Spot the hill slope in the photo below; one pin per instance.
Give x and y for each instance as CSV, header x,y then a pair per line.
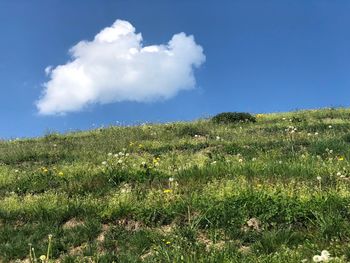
x,y
182,192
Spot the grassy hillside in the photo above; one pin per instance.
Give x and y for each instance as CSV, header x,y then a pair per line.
x,y
182,192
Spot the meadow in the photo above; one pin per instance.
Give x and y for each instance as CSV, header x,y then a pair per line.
x,y
276,190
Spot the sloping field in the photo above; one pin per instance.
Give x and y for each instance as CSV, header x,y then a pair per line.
x,y
276,190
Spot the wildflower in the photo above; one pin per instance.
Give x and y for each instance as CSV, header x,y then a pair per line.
x,y
171,179
280,162
126,154
254,159
42,258
16,171
330,126
60,173
317,258
140,145
240,160
131,144
218,138
109,154
283,118
167,191
120,161
104,163
308,134
325,254
120,153
316,133
341,158
45,170
167,242
319,178
324,257
143,163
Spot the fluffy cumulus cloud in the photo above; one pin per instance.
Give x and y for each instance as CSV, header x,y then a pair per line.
x,y
115,67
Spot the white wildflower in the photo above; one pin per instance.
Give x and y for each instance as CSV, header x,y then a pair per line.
x,y
325,255
317,258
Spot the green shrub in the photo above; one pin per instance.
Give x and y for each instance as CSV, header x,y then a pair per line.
x,y
233,117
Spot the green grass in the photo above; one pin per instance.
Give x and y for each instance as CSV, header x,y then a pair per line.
x,y
182,192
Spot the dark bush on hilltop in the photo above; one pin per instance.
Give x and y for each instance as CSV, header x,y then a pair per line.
x,y
233,117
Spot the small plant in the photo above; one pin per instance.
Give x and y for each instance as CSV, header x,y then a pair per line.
x,y
233,117
42,258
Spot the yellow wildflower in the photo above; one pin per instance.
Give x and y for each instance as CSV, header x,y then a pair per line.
x,y
167,191
60,173
341,158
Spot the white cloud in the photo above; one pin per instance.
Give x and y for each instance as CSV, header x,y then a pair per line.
x,y
115,67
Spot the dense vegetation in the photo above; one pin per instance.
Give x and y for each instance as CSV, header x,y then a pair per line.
x,y
276,190
233,117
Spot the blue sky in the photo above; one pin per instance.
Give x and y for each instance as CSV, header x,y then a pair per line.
x,y
261,56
